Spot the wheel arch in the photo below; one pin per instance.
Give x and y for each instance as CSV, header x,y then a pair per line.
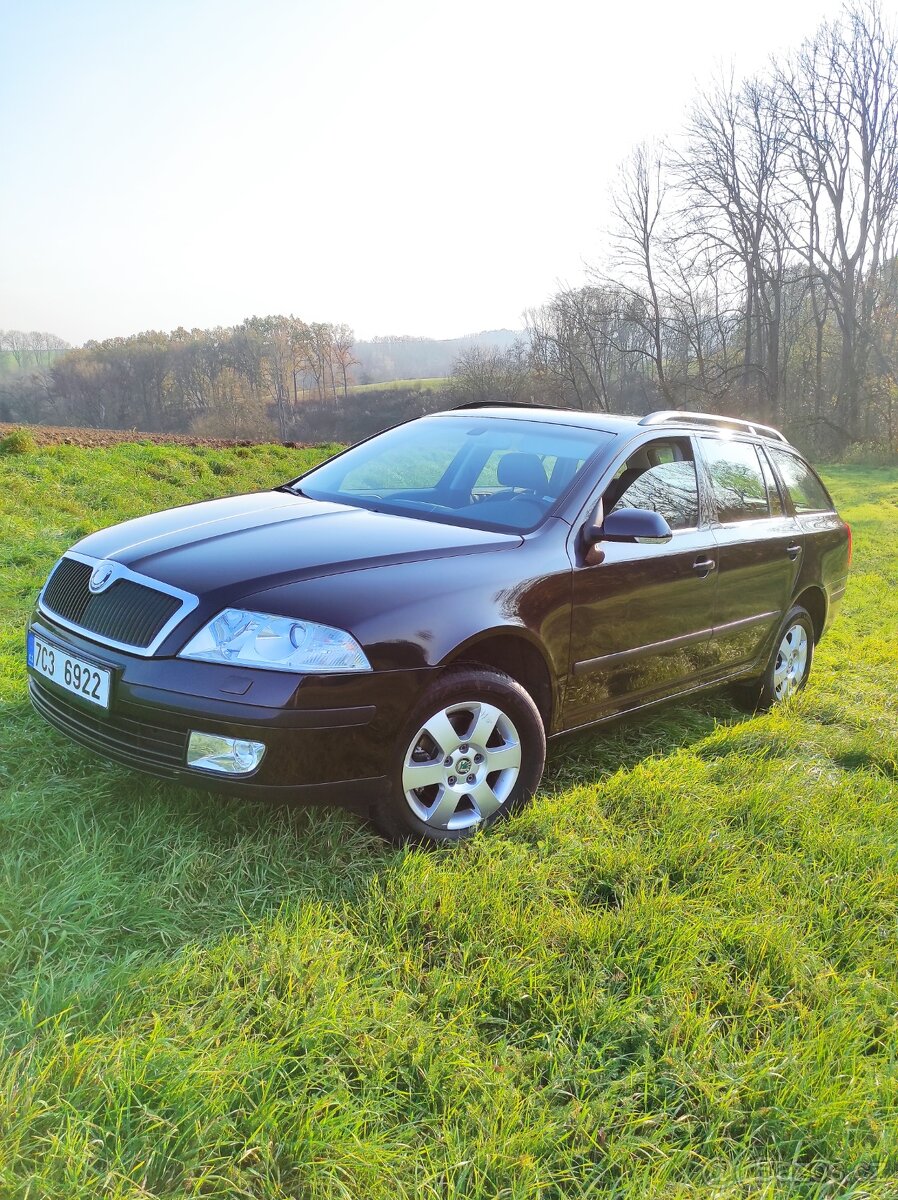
x,y
518,655
814,600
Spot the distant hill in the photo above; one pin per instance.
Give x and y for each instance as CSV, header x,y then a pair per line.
x,y
387,358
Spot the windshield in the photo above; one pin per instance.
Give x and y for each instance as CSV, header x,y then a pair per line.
x,y
484,472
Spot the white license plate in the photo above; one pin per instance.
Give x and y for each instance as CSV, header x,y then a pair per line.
x,y
74,674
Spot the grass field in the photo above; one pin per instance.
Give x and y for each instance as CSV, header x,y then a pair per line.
x,y
435,384
675,975
8,362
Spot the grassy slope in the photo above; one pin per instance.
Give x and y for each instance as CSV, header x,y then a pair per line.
x,y
675,976
436,383
8,362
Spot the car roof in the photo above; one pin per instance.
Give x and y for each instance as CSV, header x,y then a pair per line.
x,y
662,422
606,422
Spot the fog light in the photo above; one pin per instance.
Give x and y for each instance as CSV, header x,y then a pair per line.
x,y
230,756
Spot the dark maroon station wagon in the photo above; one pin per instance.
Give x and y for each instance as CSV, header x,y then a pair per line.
x,y
404,626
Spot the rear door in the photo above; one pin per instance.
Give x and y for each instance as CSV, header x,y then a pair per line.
x,y
824,535
759,548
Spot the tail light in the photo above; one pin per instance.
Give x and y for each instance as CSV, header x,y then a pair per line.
x,y
848,527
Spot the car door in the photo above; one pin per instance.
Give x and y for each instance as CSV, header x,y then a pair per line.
x,y
758,548
642,614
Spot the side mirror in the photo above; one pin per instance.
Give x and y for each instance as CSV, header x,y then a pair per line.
x,y
635,525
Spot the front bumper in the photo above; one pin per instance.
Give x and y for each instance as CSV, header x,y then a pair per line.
x,y
328,738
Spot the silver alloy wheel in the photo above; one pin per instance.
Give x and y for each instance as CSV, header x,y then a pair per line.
x,y
791,662
461,765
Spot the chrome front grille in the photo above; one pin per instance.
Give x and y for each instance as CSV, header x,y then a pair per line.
x,y
132,613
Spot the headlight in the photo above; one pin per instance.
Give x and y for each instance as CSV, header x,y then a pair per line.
x,y
251,639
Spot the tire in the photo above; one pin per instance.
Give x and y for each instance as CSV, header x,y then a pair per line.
x,y
469,721
789,665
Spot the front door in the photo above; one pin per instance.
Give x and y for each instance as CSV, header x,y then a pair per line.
x,y
642,617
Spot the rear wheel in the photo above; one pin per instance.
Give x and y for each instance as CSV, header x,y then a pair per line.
x,y
472,751
789,665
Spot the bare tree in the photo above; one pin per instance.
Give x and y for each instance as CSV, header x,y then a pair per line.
x,y
839,99
733,210
344,356
487,373
19,345
570,347
638,248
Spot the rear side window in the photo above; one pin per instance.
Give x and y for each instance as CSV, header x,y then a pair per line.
x,y
737,482
805,490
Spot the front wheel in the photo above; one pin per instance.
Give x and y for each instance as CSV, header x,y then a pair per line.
x,y
472,751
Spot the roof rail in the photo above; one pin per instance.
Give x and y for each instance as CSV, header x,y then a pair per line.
x,y
675,417
503,404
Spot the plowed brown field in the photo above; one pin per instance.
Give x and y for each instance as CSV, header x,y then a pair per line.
x,y
54,435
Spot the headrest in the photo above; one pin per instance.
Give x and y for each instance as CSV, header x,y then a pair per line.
x,y
523,471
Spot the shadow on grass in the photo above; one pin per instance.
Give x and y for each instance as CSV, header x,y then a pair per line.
x,y
865,760
622,743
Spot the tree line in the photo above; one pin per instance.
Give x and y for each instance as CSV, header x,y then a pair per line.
x,y
34,350
246,380
750,268
751,264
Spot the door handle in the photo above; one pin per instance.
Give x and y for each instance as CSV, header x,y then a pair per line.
x,y
793,551
704,566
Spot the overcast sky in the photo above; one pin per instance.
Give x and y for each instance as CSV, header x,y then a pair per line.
x,y
406,166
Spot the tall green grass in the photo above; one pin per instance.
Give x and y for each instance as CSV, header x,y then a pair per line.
x,y
674,976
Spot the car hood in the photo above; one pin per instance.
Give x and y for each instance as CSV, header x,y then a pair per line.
x,y
263,539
